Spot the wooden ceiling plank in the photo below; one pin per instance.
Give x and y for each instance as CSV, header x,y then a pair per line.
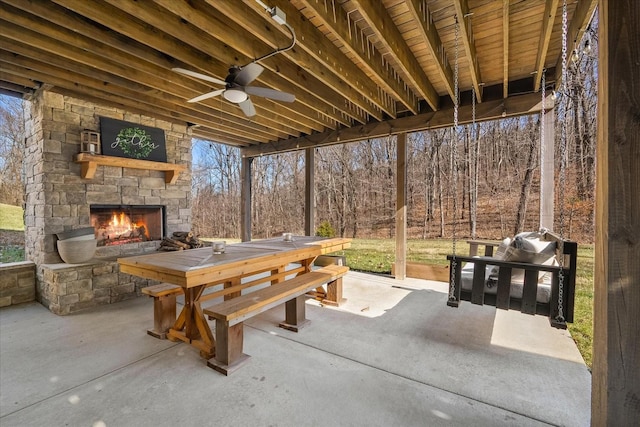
x,y
464,17
315,52
346,32
240,37
65,79
213,136
419,10
505,48
232,44
488,110
94,65
122,23
550,12
107,97
385,29
88,44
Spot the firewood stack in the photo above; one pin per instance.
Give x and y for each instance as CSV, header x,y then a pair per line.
x,y
179,241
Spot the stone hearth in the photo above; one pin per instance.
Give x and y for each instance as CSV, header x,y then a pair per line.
x,y
59,199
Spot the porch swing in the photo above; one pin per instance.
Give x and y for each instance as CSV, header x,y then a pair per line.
x,y
535,272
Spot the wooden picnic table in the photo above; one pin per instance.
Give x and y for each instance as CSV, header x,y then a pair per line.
x,y
196,269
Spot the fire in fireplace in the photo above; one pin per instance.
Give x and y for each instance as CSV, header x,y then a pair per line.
x,y
121,224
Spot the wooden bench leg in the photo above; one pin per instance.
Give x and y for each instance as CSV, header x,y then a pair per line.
x,y
334,293
229,355
295,314
164,315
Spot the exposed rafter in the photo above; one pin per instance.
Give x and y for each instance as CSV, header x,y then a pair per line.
x,y
550,12
357,64
420,12
466,35
347,32
389,35
358,89
505,48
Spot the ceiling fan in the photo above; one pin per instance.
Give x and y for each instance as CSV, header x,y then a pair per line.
x,y
237,89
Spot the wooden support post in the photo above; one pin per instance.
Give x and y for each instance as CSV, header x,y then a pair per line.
x,y
309,192
547,171
245,200
615,397
401,207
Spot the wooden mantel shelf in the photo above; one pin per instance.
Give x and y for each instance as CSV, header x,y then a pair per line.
x,y
90,163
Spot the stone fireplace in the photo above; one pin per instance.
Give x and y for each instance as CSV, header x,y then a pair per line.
x,y
59,199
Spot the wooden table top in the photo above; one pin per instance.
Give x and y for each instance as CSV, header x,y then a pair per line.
x,y
196,267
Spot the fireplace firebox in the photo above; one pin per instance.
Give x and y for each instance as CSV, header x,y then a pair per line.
x,y
122,224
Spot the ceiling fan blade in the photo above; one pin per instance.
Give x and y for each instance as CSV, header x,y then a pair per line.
x,y
247,108
199,76
270,93
207,95
249,73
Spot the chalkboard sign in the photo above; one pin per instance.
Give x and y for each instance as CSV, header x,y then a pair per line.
x,y
124,139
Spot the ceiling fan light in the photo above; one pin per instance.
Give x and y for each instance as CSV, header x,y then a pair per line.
x,y
235,95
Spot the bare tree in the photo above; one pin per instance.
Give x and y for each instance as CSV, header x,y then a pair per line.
x,y
12,147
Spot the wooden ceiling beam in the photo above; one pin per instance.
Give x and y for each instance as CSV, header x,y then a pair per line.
x,y
315,52
466,34
231,44
137,31
419,10
336,20
388,34
505,48
550,12
488,110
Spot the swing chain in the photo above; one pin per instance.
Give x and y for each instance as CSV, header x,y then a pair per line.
x,y
454,262
563,166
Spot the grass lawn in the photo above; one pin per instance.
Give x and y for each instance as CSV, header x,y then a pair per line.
x,y
377,255
11,217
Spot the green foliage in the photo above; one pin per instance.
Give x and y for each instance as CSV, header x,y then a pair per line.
x,y
11,254
135,142
325,230
11,217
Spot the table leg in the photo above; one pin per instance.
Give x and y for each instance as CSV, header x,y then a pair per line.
x,y
334,293
191,325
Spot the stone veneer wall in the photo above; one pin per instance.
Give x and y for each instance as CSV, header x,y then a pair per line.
x,y
58,199
17,283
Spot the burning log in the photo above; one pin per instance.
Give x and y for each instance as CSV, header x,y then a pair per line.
x,y
180,240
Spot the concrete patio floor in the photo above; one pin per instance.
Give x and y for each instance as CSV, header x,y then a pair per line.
x,y
393,355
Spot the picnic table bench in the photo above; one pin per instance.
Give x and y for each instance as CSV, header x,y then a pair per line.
x,y
231,314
